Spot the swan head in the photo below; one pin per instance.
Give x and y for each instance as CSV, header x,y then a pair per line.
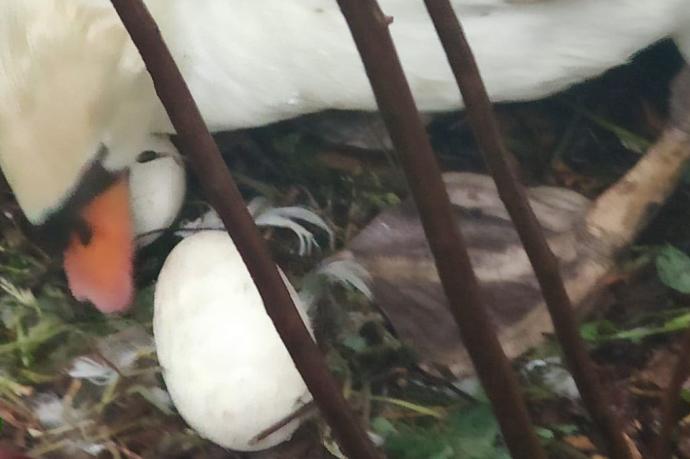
x,y
75,105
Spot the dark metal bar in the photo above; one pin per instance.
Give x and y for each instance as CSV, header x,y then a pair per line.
x,y
223,194
671,400
545,264
369,28
679,124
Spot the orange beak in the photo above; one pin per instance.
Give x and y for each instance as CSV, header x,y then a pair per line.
x,y
99,265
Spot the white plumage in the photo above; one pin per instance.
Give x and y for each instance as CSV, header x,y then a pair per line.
x,y
69,72
279,59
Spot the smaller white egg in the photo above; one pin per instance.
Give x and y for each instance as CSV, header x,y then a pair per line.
x,y
227,371
157,191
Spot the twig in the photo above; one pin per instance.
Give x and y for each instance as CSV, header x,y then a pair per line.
x,y
224,196
303,411
369,28
545,264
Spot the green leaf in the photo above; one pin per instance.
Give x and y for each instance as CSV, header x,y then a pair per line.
x,y
678,323
544,433
589,331
599,330
673,267
628,139
566,429
685,395
355,343
447,453
477,429
382,426
471,433
605,331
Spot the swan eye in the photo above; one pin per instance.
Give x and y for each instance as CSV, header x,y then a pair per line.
x,y
147,156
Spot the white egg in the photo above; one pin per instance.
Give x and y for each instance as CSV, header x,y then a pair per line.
x,y
224,364
157,190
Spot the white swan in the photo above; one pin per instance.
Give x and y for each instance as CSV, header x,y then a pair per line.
x,y
77,106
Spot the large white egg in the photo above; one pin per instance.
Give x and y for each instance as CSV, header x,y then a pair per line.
x,y
157,191
224,364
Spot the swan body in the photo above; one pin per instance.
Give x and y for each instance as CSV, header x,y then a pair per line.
x,y
77,105
524,51
224,364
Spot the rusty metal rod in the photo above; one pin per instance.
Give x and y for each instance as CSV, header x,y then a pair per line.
x,y
679,123
546,267
220,189
369,29
671,400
